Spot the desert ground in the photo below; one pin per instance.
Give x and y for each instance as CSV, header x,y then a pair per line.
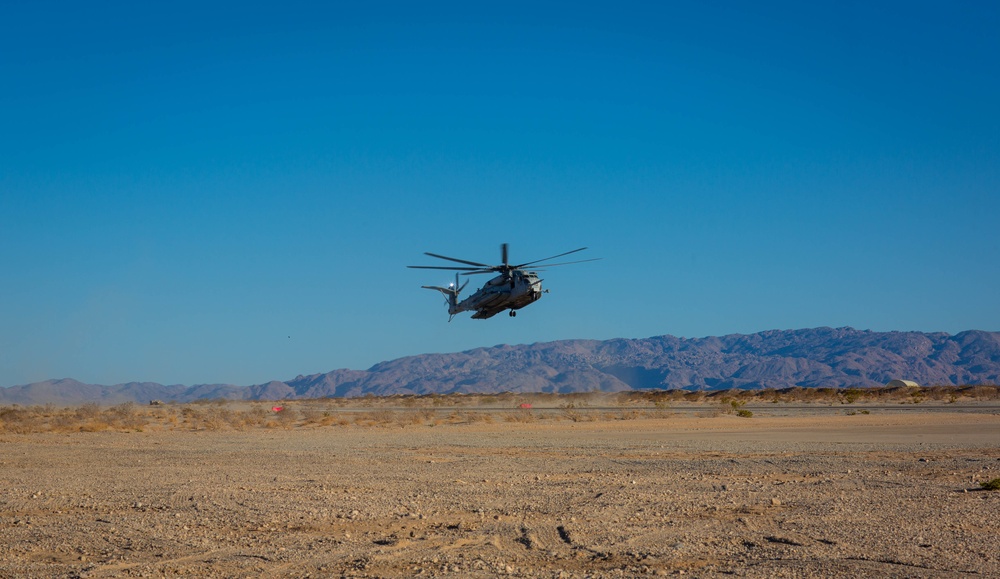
x,y
573,490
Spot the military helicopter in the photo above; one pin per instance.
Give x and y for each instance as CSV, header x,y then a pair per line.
x,y
513,289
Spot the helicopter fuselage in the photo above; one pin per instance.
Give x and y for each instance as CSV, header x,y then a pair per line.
x,y
503,292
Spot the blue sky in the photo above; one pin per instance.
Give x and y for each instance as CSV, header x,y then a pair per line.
x,y
230,192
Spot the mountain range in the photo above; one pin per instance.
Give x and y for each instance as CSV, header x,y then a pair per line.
x,y
817,357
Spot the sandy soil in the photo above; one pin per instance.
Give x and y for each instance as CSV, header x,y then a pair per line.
x,y
894,495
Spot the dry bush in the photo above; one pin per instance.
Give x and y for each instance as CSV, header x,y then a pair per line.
x,y
379,417
570,411
255,416
696,397
192,416
219,418
981,392
126,415
624,399
88,411
412,417
287,417
662,402
96,425
64,422
462,399
383,417
171,419
520,415
18,420
415,418
437,400
851,395
577,416
311,416
941,393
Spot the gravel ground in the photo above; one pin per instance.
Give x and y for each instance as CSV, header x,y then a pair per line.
x,y
882,494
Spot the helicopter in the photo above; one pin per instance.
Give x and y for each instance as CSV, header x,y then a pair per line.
x,y
513,289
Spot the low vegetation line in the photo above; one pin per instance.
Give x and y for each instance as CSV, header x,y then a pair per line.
x,y
444,409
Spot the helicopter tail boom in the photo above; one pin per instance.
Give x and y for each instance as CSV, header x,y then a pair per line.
x,y
451,292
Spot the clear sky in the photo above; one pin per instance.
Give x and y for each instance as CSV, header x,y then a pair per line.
x,y
200,192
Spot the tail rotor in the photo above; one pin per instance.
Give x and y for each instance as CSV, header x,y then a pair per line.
x,y
451,294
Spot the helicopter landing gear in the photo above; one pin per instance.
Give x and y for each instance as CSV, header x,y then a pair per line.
x,y
513,313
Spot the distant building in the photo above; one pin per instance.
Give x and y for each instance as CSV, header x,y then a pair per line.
x,y
902,384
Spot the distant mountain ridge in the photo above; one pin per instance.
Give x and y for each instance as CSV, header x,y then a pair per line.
x,y
817,357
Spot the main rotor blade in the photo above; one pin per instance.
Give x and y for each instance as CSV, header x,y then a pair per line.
x,y
548,258
442,267
503,254
458,260
567,263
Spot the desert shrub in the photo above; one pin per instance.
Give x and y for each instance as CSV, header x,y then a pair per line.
x,y
123,410
851,395
311,416
981,392
287,417
330,419
192,416
991,485
623,399
473,416
422,416
19,420
218,418
126,416
382,417
96,425
696,396
88,411
520,415
732,406
744,413
255,416
171,419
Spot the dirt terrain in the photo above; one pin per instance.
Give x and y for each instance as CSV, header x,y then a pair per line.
x,y
792,493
